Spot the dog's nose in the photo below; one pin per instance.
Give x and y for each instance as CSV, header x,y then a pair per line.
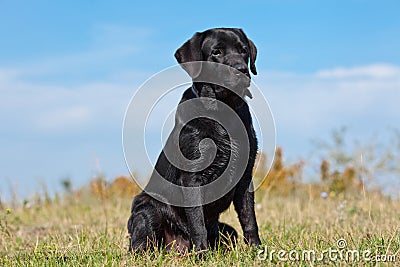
x,y
242,68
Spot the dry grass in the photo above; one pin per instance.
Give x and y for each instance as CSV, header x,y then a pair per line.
x,y
89,229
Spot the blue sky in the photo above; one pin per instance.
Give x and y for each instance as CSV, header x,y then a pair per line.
x,y
68,70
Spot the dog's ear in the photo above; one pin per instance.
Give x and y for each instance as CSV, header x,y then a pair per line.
x,y
252,53
253,56
190,52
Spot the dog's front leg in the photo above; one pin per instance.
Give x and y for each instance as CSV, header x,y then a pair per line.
x,y
244,206
195,219
197,228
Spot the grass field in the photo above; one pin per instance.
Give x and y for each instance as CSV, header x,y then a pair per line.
x,y
85,229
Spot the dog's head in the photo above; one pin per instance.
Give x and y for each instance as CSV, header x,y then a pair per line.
x,y
227,46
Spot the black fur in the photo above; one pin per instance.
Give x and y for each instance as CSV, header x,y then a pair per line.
x,y
154,223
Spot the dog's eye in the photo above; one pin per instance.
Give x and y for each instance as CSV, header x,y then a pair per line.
x,y
243,50
216,52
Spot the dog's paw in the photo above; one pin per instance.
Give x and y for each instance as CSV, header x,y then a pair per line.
x,y
252,239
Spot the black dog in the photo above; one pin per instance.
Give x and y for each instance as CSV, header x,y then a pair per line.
x,y
155,223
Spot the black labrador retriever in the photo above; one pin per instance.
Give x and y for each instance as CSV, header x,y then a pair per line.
x,y
154,223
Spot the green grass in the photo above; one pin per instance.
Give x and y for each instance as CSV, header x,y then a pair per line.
x,y
85,230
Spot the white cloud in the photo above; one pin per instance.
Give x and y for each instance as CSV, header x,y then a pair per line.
x,y
64,118
33,106
307,106
369,71
304,104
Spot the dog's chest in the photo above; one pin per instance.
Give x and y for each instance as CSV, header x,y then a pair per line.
x,y
224,148
226,156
